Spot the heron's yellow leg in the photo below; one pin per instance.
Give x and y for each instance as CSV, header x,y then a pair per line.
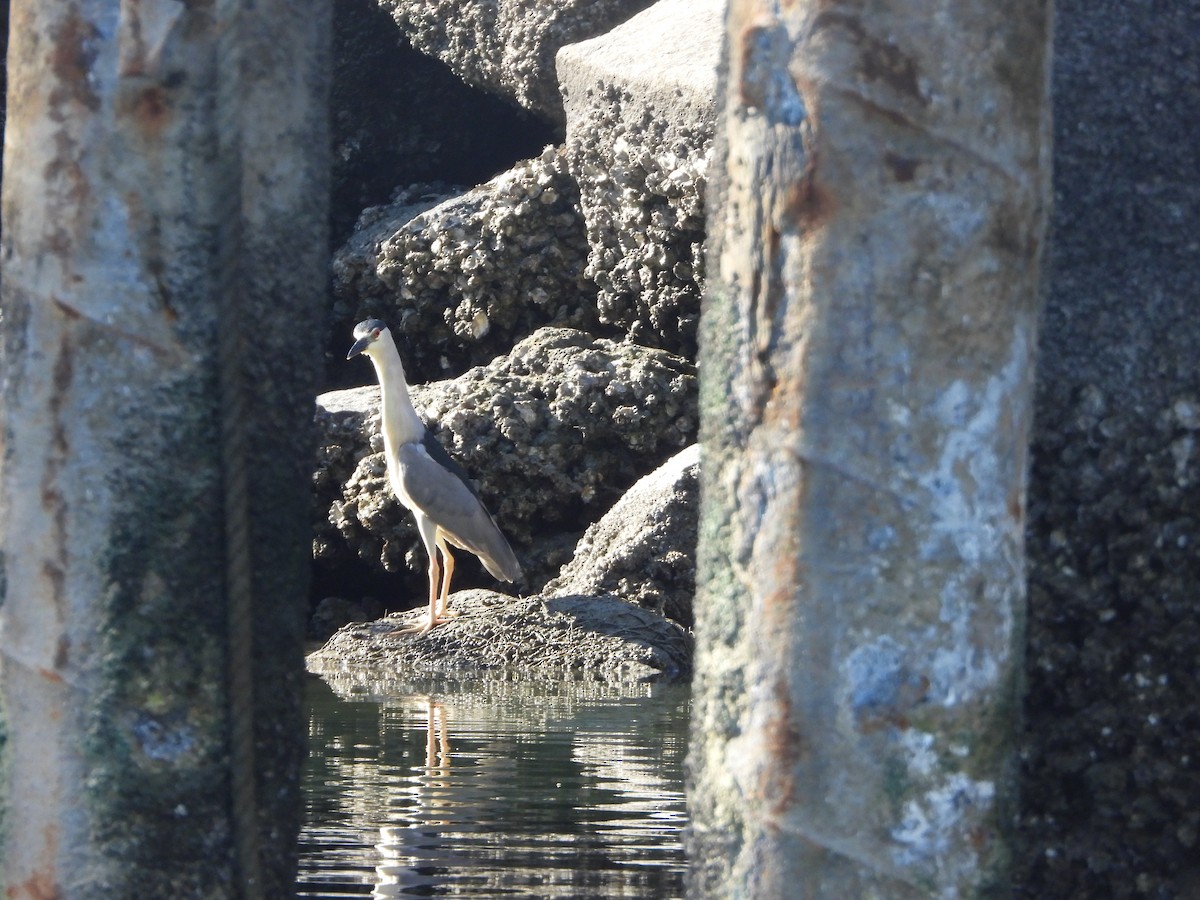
x,y
447,574
434,572
433,620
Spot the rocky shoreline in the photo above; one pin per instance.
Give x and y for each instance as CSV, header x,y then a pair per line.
x,y
552,313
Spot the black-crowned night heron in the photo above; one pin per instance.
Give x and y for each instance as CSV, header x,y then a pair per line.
x,y
428,482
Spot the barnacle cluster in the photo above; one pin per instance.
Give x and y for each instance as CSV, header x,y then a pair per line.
x,y
642,190
462,281
507,47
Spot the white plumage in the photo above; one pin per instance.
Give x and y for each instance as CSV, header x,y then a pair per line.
x,y
428,482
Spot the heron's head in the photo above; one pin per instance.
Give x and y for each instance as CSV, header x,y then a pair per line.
x,y
366,335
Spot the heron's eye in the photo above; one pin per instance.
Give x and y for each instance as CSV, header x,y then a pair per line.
x,y
375,334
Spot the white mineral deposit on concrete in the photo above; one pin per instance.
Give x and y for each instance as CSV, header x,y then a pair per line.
x,y
968,496
932,823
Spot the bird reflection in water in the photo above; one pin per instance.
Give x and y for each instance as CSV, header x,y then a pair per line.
x,y
437,742
566,791
414,855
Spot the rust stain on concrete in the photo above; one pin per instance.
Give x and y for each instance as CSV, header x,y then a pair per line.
x,y
785,747
42,884
808,204
38,886
57,452
879,60
72,59
149,109
50,674
752,89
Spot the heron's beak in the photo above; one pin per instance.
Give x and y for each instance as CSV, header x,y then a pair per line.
x,y
359,346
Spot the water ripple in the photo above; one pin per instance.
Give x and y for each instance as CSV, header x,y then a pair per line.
x,y
494,791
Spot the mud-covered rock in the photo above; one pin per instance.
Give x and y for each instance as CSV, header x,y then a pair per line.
x,y
461,279
507,47
552,435
643,550
641,116
531,638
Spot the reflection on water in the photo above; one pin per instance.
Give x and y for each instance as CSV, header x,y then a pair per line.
x,y
494,790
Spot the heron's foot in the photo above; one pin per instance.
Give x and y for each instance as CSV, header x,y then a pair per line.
x,y
424,626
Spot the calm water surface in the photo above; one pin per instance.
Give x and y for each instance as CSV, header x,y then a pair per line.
x,y
494,790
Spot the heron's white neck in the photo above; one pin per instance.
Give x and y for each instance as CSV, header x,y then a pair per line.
x,y
401,424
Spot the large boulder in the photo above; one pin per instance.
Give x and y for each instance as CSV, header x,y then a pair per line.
x,y
461,278
398,117
641,113
504,637
507,47
644,549
357,286
553,434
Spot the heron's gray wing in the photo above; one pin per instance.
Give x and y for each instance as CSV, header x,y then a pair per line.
x,y
447,499
435,449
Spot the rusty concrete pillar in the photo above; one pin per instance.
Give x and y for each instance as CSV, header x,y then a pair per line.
x,y
163,210
877,224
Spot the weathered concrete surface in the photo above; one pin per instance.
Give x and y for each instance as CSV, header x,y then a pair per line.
x,y
867,365
641,108
532,638
164,191
462,281
1111,775
553,434
644,549
507,47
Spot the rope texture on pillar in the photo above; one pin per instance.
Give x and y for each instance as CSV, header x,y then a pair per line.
x,y
231,279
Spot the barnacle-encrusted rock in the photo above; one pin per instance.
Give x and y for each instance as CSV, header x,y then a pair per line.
x,y
531,638
553,434
356,284
464,280
641,114
644,549
1113,629
399,117
507,47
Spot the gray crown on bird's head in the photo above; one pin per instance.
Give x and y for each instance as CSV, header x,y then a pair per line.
x,y
366,333
369,328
